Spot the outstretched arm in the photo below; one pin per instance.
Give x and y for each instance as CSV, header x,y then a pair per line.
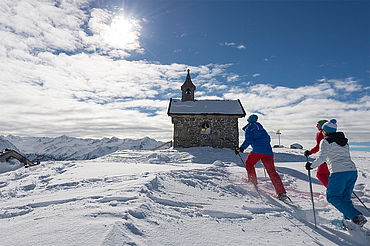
x,y
323,154
319,137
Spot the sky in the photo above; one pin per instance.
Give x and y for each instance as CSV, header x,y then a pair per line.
x,y
94,69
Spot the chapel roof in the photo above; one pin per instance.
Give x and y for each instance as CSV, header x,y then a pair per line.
x,y
206,107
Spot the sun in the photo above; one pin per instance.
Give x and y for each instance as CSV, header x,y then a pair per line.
x,y
115,33
122,32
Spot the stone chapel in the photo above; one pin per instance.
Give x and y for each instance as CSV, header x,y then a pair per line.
x,y
204,122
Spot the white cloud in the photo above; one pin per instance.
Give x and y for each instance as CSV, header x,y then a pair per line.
x,y
348,84
182,35
58,79
232,77
296,110
256,75
229,44
269,59
41,25
88,95
234,45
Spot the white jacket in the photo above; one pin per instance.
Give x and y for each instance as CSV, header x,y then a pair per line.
x,y
336,157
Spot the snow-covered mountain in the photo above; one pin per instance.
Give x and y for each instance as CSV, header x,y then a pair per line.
x,y
4,144
195,196
70,148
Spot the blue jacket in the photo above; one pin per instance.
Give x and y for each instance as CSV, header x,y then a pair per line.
x,y
258,138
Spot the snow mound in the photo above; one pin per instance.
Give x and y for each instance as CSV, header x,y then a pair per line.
x,y
11,165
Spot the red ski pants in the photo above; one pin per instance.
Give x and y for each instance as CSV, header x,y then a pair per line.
x,y
322,174
268,163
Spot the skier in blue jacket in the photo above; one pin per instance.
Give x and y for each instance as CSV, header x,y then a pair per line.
x,y
258,138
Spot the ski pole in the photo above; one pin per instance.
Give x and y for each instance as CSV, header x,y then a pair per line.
x,y
360,200
313,204
250,176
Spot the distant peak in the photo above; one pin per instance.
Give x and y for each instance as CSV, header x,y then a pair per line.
x,y
63,137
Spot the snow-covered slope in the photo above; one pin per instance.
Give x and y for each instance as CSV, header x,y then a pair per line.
x,y
69,148
196,196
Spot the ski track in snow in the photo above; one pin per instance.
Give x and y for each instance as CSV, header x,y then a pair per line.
x,y
197,196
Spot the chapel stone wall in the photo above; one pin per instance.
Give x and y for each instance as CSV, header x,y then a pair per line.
x,y
205,130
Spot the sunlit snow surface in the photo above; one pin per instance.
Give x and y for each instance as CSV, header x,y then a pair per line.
x,y
196,196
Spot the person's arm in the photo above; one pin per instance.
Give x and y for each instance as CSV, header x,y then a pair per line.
x,y
323,154
319,137
248,138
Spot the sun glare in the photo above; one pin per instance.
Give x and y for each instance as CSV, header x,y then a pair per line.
x,y
122,32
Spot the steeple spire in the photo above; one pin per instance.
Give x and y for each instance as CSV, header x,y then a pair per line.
x,y
188,89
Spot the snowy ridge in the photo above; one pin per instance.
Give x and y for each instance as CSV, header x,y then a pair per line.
x,y
69,148
196,196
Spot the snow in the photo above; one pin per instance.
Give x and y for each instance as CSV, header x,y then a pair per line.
x,y
225,107
11,165
195,196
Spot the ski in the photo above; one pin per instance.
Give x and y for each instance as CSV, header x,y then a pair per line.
x,y
288,202
359,232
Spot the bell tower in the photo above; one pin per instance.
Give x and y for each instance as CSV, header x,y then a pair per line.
x,y
188,89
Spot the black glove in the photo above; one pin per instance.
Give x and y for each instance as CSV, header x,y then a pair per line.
x,y
307,153
308,165
237,150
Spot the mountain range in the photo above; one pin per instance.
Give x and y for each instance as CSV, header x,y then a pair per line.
x,y
70,148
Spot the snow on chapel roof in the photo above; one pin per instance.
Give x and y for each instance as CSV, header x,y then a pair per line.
x,y
202,107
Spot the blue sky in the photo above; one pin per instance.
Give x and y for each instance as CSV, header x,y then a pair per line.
x,y
289,43
108,68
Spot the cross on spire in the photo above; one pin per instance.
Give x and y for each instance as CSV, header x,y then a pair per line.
x,y
188,89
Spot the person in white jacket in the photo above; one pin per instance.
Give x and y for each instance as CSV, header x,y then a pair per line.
x,y
334,150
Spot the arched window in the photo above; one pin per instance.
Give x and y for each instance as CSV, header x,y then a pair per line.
x,y
205,128
188,92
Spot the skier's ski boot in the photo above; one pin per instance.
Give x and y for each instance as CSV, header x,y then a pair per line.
x,y
345,222
359,220
283,197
